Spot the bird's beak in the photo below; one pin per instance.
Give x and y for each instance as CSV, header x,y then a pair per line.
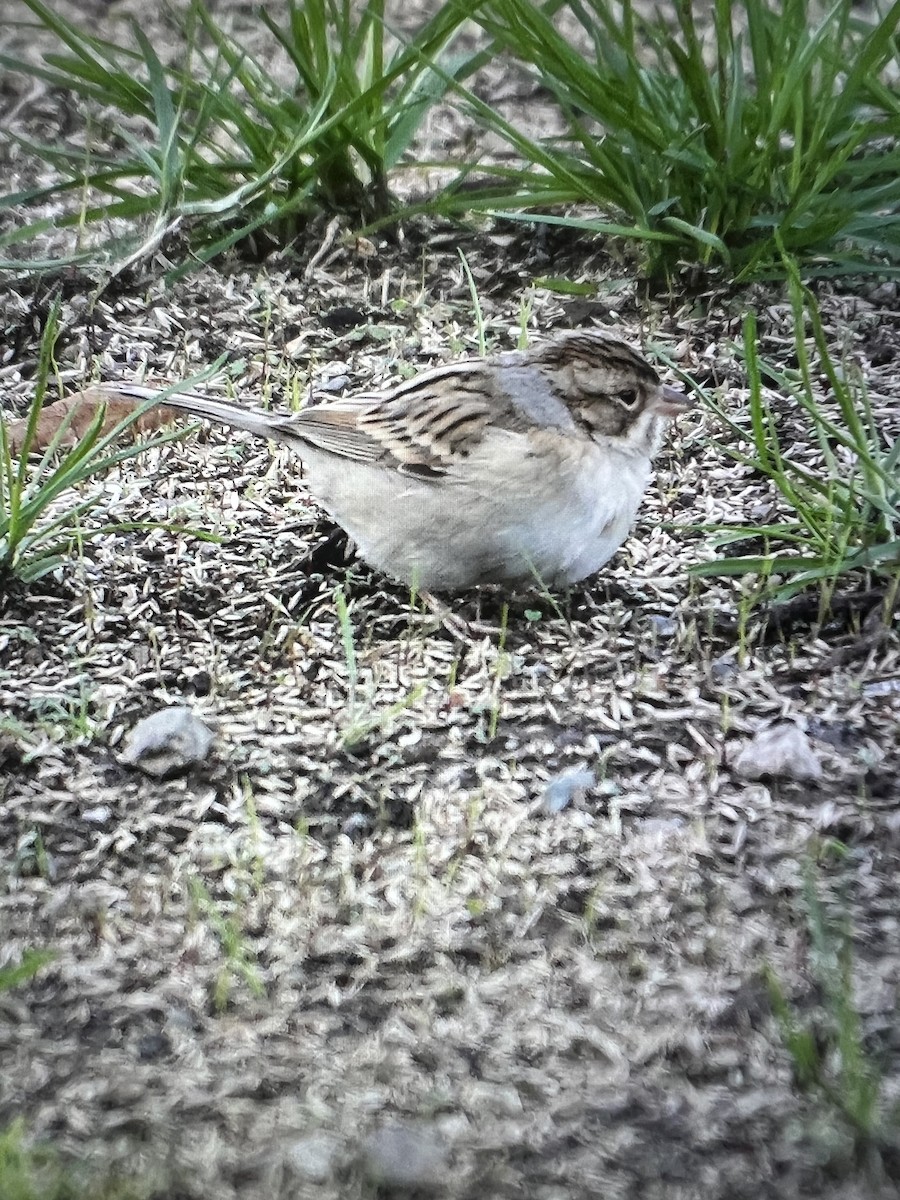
x,y
670,402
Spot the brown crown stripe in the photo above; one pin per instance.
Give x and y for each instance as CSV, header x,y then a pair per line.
x,y
599,353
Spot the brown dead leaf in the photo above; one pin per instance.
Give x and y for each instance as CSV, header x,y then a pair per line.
x,y
84,406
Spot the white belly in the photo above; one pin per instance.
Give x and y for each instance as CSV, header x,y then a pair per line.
x,y
517,513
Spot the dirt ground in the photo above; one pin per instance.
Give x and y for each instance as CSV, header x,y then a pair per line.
x,y
379,941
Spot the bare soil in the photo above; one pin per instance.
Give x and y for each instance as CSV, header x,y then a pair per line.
x,y
356,951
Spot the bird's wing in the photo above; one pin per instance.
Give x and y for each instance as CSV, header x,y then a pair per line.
x,y
427,426
424,427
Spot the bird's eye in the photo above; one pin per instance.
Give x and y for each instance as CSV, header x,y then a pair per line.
x,y
628,397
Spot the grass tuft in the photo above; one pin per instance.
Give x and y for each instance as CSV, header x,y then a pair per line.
x,y
843,512
773,128
214,144
828,1052
36,535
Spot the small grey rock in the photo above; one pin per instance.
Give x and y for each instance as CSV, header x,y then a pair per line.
x,y
167,743
337,383
782,750
313,1158
882,687
100,814
723,668
661,827
356,823
663,626
405,1156
883,293
495,1099
566,787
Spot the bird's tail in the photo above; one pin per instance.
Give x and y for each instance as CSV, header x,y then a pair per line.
x,y
239,416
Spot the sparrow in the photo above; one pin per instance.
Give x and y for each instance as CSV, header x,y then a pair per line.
x,y
523,468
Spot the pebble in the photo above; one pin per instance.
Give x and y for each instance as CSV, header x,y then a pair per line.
x,y
663,626
167,743
313,1158
566,787
723,668
781,750
405,1156
499,1100
882,687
